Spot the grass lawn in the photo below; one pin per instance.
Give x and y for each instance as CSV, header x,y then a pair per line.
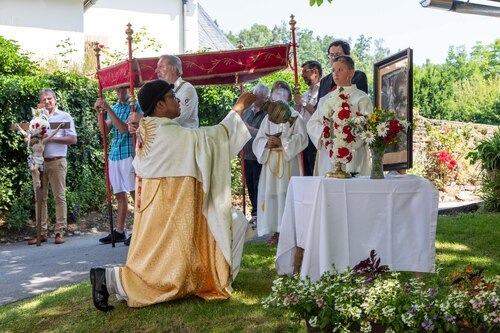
x,y
459,240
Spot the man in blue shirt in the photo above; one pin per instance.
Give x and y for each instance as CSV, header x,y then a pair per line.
x,y
121,171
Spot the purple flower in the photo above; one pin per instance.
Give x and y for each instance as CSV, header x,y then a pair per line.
x,y
433,292
428,326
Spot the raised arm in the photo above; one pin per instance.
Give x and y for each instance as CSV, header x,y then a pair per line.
x,y
244,101
100,106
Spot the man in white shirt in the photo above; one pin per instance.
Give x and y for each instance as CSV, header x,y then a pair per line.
x,y
305,104
169,69
55,166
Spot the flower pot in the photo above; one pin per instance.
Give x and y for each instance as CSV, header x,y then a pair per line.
x,y
377,163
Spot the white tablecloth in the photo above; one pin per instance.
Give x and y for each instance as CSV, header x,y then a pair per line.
x,y
339,221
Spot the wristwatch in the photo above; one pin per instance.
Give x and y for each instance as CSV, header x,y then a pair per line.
x,y
304,104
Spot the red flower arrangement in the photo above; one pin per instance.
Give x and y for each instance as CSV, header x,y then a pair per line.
x,y
445,158
338,134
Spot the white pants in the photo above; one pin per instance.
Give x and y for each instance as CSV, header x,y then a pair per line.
x,y
122,175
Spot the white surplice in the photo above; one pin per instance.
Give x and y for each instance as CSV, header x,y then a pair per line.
x,y
278,165
361,156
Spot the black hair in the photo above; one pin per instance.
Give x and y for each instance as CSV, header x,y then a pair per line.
x,y
313,64
346,48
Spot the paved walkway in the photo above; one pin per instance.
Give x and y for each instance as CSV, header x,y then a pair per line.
x,y
26,271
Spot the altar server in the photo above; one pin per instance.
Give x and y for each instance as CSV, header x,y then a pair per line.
x,y
343,71
277,147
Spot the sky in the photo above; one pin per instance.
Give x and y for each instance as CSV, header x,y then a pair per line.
x,y
401,23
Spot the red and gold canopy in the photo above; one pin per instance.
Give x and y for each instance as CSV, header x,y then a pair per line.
x,y
210,68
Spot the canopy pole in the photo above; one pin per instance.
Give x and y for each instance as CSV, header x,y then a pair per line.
x,y
239,86
294,52
97,51
243,181
296,86
129,31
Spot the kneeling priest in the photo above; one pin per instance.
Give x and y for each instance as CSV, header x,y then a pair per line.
x,y
186,240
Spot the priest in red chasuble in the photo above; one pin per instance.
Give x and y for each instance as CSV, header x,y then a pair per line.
x,y
187,240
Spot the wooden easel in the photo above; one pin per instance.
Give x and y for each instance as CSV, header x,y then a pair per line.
x,y
38,189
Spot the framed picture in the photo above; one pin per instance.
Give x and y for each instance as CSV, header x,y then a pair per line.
x,y
393,90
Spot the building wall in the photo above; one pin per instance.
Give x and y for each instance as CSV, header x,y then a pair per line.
x,y
39,26
191,29
106,22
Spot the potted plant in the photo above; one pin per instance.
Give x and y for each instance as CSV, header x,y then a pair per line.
x,y
370,299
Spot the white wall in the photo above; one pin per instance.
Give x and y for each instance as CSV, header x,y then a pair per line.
x,y
106,21
192,40
39,25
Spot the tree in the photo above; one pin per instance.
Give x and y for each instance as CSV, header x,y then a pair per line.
x,y
258,35
13,60
487,58
317,2
465,88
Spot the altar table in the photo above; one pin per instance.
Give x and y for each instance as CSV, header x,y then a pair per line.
x,y
339,221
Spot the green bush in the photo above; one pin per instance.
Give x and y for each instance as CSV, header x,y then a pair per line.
x,y
76,95
13,61
464,88
488,153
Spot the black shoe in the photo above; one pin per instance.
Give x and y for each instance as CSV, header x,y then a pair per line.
x,y
127,241
119,237
100,293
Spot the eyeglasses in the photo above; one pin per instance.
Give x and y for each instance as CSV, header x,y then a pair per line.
x,y
334,55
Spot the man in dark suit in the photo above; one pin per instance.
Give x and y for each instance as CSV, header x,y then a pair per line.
x,y
337,48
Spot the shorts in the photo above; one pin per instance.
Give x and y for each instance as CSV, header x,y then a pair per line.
x,y
122,175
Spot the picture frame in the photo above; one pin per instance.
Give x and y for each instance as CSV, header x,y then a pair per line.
x,y
393,91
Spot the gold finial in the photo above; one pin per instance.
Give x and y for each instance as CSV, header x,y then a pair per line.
x,y
240,44
132,99
96,49
292,21
129,31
